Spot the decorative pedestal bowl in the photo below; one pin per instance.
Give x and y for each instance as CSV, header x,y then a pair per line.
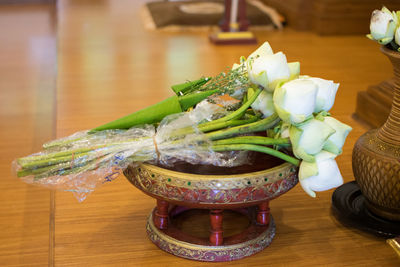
x,y
179,193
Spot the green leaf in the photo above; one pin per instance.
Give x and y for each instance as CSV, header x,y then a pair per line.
x,y
188,101
151,114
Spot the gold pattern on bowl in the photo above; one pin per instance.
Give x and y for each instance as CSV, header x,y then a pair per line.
x,y
204,190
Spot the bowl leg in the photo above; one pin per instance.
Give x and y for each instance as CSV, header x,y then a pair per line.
x,y
216,217
263,213
161,214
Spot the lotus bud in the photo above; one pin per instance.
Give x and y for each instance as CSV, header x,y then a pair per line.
x,y
309,138
295,100
326,93
285,130
268,70
335,142
383,25
264,104
321,175
235,66
264,50
397,38
294,69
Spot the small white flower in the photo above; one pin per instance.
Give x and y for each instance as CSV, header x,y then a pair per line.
x,y
309,138
321,175
382,26
326,93
295,100
335,142
264,104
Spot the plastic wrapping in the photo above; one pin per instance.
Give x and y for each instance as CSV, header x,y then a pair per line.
x,y
84,161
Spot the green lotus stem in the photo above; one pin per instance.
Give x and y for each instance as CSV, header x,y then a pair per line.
x,y
224,124
62,169
207,126
234,115
52,161
24,172
191,85
257,148
25,161
258,126
64,156
34,162
255,140
240,111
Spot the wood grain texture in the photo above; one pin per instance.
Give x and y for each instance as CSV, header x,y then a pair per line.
x,y
108,66
27,119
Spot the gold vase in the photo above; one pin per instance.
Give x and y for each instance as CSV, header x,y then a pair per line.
x,y
376,157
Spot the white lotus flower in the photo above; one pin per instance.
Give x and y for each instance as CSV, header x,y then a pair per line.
x,y
268,70
294,69
309,138
285,130
264,104
383,25
295,100
335,142
397,37
264,50
326,93
321,175
235,66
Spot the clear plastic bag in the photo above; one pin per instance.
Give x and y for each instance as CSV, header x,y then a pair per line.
x,y
84,161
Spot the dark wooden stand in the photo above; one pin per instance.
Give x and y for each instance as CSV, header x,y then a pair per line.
x,y
348,206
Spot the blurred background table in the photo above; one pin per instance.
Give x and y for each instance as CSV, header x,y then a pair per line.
x,y
109,66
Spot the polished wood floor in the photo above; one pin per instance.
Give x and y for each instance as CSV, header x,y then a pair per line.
x,y
84,63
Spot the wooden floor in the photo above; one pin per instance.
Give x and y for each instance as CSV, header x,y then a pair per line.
x,y
108,66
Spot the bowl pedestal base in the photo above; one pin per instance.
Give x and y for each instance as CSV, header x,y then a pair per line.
x,y
165,230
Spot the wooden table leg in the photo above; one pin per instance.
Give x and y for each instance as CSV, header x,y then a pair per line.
x,y
161,214
263,213
216,238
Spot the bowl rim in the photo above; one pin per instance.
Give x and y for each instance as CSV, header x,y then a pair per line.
x,y
183,175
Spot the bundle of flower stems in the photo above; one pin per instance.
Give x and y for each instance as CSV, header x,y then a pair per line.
x,y
225,134
263,93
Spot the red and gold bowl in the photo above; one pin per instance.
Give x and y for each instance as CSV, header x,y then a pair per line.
x,y
246,194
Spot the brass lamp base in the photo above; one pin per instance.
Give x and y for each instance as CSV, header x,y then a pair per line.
x,y
244,37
